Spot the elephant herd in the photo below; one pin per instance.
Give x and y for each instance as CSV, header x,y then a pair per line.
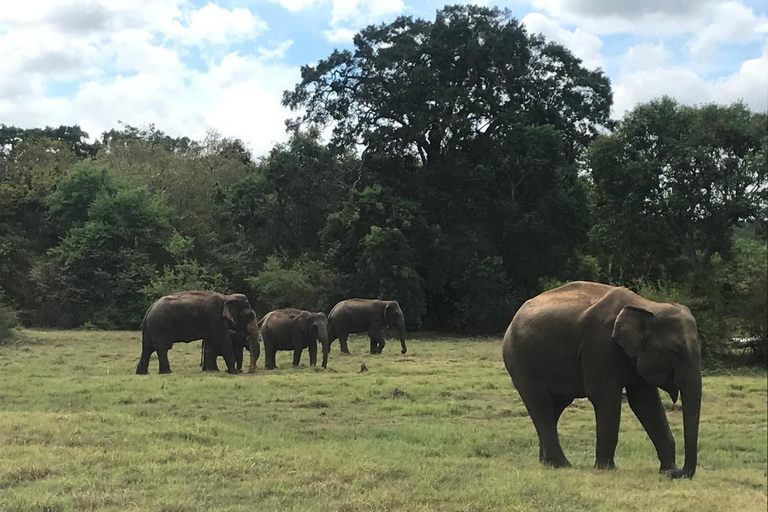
x,y
227,324
581,340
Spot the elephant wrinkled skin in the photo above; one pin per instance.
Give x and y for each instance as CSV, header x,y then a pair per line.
x,y
193,315
366,315
592,340
294,329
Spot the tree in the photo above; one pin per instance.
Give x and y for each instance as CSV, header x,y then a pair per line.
x,y
97,272
671,184
432,89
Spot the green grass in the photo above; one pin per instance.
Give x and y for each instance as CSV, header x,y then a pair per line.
x,y
440,428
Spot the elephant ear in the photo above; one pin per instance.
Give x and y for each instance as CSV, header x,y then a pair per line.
x,y
630,329
385,313
229,313
301,322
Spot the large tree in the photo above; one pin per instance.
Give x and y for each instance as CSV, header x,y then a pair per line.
x,y
431,88
480,125
671,184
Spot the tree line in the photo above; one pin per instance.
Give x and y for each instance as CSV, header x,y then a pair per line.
x,y
471,165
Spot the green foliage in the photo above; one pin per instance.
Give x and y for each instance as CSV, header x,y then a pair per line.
x,y
98,270
485,299
672,182
8,320
433,88
305,284
185,275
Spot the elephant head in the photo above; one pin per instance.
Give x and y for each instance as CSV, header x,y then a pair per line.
x,y
315,327
241,317
393,316
664,342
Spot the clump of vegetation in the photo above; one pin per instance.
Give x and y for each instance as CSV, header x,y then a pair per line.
x,y
8,320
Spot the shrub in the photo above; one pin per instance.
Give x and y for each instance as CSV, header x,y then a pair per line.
x,y
305,284
8,320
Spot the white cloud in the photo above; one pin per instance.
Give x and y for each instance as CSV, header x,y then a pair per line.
x,y
584,45
212,24
348,16
339,35
632,16
125,58
730,21
749,84
296,5
645,56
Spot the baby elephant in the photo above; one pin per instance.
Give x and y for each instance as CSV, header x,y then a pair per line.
x,y
294,329
210,353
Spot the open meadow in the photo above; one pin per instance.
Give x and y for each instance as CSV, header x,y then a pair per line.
x,y
440,428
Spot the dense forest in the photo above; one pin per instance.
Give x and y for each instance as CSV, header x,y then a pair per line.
x,y
470,166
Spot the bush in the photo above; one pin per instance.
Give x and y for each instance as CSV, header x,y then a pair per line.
x,y
186,275
8,320
306,284
486,303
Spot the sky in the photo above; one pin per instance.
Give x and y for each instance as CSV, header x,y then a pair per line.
x,y
193,65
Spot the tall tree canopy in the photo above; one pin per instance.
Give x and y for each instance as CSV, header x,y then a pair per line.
x,y
672,182
431,88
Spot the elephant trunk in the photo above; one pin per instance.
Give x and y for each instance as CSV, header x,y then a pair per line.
x,y
401,334
325,343
690,392
253,344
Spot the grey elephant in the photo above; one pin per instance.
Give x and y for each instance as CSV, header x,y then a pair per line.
x,y
294,329
592,340
366,315
193,315
209,353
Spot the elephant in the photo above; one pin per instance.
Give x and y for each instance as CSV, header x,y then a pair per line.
x,y
294,329
366,315
193,315
592,340
209,354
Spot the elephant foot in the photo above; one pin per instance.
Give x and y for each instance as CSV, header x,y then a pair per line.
x,y
558,463
142,371
667,468
345,351
681,473
165,371
605,465
233,371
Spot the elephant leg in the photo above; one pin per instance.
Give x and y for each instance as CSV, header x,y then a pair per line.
x,y
269,356
225,343
297,356
312,353
239,358
541,406
646,404
559,404
377,341
162,356
608,417
210,356
146,352
343,342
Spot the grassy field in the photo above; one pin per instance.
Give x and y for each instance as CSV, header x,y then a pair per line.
x,y
438,429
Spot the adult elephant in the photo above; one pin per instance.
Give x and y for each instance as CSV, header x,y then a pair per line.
x,y
294,329
592,340
209,353
366,315
193,315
